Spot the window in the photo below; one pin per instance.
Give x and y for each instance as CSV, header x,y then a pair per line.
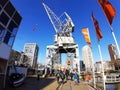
x,y
2,2
9,9
0,8
11,41
2,30
12,27
17,18
30,51
7,37
26,50
4,18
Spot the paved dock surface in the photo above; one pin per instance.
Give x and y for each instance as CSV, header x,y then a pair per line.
x,y
50,83
68,85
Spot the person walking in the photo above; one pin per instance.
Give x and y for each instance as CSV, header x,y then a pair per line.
x,y
76,78
88,78
71,75
38,75
67,74
62,76
58,76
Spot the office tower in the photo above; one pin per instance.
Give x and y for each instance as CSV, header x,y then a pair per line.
x,y
31,50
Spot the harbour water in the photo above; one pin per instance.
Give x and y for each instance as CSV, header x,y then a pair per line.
x,y
113,86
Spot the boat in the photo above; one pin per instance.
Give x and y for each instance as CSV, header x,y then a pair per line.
x,y
112,78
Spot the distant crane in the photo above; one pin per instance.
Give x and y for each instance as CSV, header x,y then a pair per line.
x,y
63,41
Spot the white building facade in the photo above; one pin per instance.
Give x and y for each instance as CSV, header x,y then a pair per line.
x,y
87,58
31,50
108,65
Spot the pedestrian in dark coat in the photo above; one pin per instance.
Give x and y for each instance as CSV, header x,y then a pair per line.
x,y
58,76
67,74
71,75
62,75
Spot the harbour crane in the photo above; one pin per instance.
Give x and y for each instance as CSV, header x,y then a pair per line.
x,y
63,40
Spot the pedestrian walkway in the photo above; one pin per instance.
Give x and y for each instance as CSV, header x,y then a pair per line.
x,y
69,85
50,83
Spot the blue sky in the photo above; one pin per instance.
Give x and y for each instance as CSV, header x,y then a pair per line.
x,y
34,15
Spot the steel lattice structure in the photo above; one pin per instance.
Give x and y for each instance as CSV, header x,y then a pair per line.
x,y
63,41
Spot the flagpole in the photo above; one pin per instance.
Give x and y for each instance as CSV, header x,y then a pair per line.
x,y
93,69
111,29
102,65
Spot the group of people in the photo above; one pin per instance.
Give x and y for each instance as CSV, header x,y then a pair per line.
x,y
70,75
66,75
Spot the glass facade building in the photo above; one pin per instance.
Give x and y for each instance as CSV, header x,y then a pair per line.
x,y
9,22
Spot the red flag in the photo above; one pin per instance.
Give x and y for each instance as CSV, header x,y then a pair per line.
x,y
96,25
85,32
108,9
34,28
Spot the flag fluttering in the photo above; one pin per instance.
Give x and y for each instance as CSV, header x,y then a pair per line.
x,y
85,32
34,28
108,10
96,25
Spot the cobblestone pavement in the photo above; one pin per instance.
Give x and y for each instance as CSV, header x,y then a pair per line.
x,y
50,83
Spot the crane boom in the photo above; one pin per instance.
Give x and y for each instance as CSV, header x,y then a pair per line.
x,y
53,18
61,27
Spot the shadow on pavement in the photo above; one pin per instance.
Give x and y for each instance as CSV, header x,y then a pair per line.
x,y
60,85
32,83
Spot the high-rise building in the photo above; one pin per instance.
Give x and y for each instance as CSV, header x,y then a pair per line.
x,y
114,55
9,22
87,58
31,50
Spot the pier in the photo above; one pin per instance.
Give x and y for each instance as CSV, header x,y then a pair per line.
x,y
50,83
33,59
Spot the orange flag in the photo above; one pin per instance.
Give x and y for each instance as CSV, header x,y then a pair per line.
x,y
85,32
96,25
108,9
